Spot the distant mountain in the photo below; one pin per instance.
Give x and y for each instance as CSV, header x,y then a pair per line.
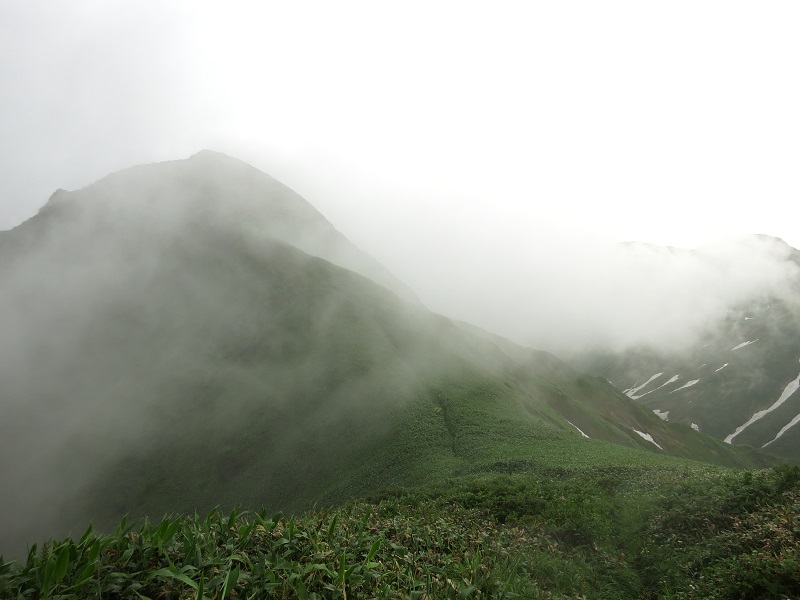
x,y
736,382
192,333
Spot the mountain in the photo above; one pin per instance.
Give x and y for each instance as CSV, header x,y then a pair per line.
x,y
736,382
192,333
171,198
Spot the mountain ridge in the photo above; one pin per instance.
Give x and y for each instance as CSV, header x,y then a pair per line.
x,y
154,363
734,382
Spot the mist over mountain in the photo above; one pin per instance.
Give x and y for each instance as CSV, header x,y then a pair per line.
x,y
121,297
193,333
737,382
568,292
169,200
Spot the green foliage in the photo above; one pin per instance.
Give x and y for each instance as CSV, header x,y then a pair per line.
x,y
726,536
357,551
600,532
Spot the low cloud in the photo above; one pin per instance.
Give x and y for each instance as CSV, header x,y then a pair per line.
x,y
564,291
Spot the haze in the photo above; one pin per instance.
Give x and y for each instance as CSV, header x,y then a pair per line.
x,y
490,157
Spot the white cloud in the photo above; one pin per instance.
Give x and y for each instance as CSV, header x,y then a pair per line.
x,y
480,152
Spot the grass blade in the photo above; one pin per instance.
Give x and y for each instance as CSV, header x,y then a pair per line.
x,y
170,574
230,582
373,550
62,564
332,526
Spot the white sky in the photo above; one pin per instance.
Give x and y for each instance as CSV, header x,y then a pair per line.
x,y
460,129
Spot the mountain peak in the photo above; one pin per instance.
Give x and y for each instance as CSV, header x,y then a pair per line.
x,y
208,153
174,199
207,156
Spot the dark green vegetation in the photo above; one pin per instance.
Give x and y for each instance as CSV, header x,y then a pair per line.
x,y
635,532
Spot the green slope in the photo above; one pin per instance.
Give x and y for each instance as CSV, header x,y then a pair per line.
x,y
740,367
170,361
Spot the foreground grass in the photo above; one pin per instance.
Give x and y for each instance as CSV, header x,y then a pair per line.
x,y
357,551
594,533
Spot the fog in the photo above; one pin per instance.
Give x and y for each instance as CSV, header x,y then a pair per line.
x,y
567,294
143,313
545,279
489,164
491,160
664,124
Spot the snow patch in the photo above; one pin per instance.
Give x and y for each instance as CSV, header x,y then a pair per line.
x,y
671,380
695,426
662,414
578,428
784,429
722,367
648,437
743,344
790,389
685,385
631,391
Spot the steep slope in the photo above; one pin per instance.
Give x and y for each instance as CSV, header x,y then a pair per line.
x,y
167,346
738,382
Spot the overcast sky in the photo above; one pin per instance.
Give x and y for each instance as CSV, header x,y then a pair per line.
x,y
465,130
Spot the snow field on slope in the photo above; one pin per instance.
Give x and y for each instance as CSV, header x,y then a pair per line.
x,y
578,428
648,437
790,389
743,344
685,385
631,391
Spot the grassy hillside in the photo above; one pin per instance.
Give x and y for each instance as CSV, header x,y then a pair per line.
x,y
164,355
290,381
